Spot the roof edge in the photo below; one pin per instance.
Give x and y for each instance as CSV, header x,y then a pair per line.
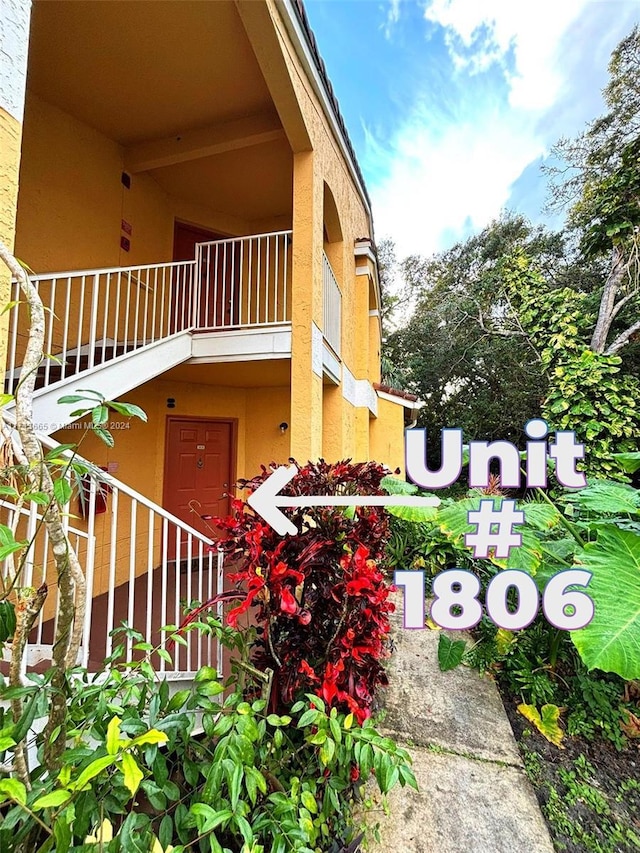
x,y
402,398
297,25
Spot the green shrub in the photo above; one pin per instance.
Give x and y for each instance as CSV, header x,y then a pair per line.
x,y
202,768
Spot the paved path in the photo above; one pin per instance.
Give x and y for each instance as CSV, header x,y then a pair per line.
x,y
474,794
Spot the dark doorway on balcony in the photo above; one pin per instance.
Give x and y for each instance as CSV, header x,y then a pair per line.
x,y
218,271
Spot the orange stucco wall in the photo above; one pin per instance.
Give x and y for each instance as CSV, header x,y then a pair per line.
x,y
71,204
10,131
347,430
72,200
387,435
139,450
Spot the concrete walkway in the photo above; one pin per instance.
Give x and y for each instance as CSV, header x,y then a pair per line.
x,y
474,794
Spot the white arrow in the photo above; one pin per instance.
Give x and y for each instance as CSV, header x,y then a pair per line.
x,y
267,498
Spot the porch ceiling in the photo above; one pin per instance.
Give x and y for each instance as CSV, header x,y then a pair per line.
x,y
257,374
178,86
250,183
138,71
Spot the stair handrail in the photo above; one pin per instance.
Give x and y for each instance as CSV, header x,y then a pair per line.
x,y
202,550
105,270
105,477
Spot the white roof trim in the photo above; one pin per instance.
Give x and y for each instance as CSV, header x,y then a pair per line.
x,y
361,251
414,405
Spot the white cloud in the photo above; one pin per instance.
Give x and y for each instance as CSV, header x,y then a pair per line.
x,y
449,178
449,167
392,18
481,33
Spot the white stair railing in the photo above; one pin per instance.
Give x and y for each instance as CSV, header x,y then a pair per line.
x,y
143,567
96,316
38,570
150,567
332,305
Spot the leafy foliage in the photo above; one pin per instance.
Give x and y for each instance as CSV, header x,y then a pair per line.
x,y
586,392
450,652
609,206
545,720
321,598
596,528
589,395
461,350
139,776
516,322
611,642
598,153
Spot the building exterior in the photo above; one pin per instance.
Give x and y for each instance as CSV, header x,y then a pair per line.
x,y
179,178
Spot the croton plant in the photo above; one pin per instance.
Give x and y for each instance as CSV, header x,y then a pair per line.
x,y
320,598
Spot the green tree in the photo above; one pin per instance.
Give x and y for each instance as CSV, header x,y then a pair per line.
x,y
464,349
595,390
599,184
517,321
586,390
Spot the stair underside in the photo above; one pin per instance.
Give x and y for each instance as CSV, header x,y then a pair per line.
x,y
112,377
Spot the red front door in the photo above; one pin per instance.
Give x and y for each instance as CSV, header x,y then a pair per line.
x,y
219,274
198,471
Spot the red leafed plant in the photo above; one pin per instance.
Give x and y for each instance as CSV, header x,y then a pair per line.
x,y
321,598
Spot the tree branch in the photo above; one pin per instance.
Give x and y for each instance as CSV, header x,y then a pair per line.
x,y
622,302
608,301
71,582
623,339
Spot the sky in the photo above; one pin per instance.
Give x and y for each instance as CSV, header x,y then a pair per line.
x,y
453,105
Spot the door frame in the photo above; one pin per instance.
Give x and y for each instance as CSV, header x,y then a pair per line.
x,y
202,228
233,422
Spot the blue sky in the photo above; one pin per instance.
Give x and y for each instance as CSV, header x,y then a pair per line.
x,y
452,105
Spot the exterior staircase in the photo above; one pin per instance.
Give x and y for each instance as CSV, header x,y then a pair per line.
x,y
112,330
142,566
119,327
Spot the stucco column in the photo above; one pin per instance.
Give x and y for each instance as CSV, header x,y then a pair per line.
x,y
361,353
14,42
306,311
332,429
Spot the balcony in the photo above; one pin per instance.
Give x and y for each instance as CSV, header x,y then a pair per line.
x,y
233,301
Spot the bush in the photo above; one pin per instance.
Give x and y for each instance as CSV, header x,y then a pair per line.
x,y
138,776
321,598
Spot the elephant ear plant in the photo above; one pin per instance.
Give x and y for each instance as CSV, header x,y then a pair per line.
x,y
589,672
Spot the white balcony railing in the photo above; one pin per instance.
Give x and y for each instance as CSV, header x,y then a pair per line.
x,y
332,304
142,567
97,316
244,281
